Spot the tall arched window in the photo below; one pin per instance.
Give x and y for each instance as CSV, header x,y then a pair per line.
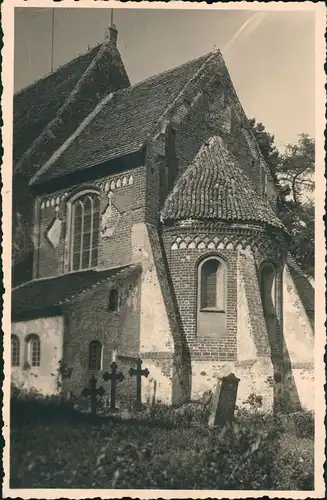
x,y
15,351
33,350
212,296
268,289
95,355
212,284
85,231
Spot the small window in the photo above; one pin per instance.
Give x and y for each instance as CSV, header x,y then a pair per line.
x,y
15,351
113,300
33,350
212,288
95,355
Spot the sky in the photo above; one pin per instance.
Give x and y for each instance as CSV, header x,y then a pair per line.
x,y
269,55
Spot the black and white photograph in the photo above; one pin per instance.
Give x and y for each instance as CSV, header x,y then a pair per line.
x,y
163,249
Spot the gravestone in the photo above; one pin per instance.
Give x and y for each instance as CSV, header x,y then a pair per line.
x,y
224,400
139,373
114,377
92,391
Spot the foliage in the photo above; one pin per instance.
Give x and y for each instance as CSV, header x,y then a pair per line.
x,y
293,174
54,446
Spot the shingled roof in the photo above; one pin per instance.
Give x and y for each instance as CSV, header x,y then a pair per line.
x,y
49,110
121,125
214,187
39,103
45,294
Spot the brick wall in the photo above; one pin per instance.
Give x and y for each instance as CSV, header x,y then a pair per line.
x,y
183,266
129,201
88,319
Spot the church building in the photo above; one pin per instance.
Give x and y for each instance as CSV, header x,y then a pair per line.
x,y
145,226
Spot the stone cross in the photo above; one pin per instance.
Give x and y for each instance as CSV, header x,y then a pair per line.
x,y
92,391
114,377
224,400
138,372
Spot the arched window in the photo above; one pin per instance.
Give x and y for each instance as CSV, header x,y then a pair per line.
x,y
15,351
95,355
212,298
33,350
113,300
85,231
212,284
268,289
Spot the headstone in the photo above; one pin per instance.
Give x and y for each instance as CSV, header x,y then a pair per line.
x,y
224,400
139,373
92,391
114,377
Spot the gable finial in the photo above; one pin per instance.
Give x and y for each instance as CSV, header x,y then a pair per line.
x,y
111,32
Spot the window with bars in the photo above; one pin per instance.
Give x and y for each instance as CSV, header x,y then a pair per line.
x,y
33,350
15,351
212,285
95,355
85,231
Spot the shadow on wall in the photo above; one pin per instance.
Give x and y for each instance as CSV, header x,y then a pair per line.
x,y
182,368
286,397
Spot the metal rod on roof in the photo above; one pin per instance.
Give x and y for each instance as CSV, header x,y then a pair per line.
x,y
112,17
52,40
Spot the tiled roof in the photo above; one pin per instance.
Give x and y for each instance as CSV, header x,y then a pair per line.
x,y
123,123
36,105
43,294
215,188
48,112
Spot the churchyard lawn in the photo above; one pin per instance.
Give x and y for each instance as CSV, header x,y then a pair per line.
x,y
55,447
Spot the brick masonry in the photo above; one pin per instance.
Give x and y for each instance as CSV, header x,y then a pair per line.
x,y
158,317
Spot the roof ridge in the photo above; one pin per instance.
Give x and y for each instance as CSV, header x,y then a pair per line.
x,y
134,265
207,58
58,152
47,75
179,66
49,126
120,93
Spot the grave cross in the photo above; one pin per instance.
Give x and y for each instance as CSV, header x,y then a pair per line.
x,y
92,391
114,377
138,372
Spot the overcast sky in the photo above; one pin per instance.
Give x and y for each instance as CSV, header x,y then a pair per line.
x,y
270,55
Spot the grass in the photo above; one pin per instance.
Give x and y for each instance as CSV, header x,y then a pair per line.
x,y
63,449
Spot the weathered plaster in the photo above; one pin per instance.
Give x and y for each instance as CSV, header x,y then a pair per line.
x,y
155,334
254,378
298,333
246,348
43,378
298,347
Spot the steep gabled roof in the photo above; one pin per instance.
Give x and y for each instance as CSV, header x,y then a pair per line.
x,y
214,187
49,111
45,294
36,105
123,123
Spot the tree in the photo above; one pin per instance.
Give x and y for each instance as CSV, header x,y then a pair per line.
x,y
293,174
267,147
297,168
